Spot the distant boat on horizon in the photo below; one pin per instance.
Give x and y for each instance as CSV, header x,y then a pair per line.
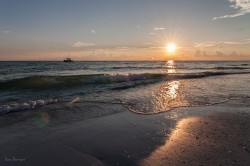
x,y
68,60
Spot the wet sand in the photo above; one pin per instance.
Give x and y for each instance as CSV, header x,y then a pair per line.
x,y
219,139
213,135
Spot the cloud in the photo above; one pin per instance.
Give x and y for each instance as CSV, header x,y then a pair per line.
x,y
234,54
232,42
205,44
200,53
242,7
93,31
216,43
158,28
219,53
152,33
6,32
247,40
138,26
81,44
121,48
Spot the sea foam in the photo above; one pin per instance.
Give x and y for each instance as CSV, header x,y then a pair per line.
x,y
16,107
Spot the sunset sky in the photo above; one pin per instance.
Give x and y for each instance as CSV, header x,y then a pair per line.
x,y
124,29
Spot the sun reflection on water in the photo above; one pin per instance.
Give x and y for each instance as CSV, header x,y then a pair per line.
x,y
170,95
170,66
172,89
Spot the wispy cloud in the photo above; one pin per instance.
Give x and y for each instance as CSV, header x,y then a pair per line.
x,y
138,26
216,43
121,48
6,32
247,40
242,7
232,42
81,44
152,33
158,28
205,44
93,31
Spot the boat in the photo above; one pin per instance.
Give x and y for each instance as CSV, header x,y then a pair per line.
x,y
68,60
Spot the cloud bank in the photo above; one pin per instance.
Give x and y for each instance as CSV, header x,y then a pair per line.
x,y
242,7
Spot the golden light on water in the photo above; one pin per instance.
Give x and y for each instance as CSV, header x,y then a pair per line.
x,y
173,89
170,66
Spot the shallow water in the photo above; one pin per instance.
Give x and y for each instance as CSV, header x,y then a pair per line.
x,y
142,87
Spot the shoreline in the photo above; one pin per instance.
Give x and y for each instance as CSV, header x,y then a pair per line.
x,y
125,138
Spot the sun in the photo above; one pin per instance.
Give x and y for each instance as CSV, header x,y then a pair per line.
x,y
171,47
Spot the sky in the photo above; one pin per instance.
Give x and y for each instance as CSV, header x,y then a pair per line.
x,y
124,29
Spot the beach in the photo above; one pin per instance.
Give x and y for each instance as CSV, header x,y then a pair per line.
x,y
151,113
217,139
125,83
212,135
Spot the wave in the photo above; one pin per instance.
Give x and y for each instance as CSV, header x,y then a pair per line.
x,y
37,82
16,107
184,68
132,67
47,82
233,68
120,81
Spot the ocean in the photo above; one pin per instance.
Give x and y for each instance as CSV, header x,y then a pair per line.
x,y
141,87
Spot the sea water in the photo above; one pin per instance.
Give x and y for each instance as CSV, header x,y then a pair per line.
x,y
141,87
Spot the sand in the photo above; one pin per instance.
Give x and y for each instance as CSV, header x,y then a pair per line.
x,y
213,135
220,139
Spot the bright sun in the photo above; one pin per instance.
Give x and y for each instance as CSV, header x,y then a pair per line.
x,y
171,47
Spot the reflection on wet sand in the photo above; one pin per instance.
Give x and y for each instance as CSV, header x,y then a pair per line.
x,y
173,147
209,140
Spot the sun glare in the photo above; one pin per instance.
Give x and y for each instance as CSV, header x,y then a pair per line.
x,y
171,47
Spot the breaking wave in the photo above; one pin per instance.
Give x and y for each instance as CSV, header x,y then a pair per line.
x,y
16,107
48,82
